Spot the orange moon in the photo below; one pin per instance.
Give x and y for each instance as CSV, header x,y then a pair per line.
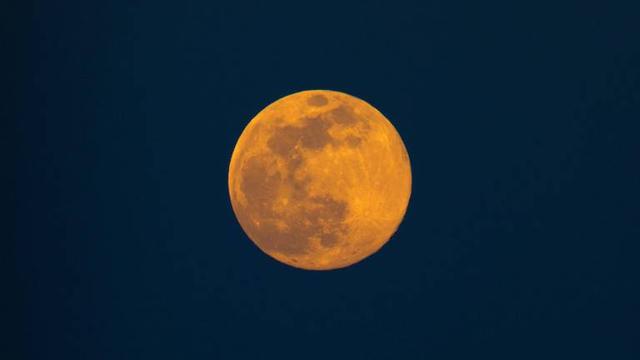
x,y
319,180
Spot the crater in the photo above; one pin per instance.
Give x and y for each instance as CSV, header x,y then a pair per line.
x,y
294,161
289,242
343,115
327,208
353,141
299,187
317,100
326,215
284,140
319,218
328,240
313,134
258,185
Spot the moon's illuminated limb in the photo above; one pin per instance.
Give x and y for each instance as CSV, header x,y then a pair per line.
x,y
319,180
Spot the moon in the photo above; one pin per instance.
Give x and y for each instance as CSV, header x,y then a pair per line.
x,y
319,180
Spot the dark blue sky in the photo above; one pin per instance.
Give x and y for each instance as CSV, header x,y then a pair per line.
x,y
521,237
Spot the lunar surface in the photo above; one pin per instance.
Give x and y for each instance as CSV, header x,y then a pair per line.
x,y
319,180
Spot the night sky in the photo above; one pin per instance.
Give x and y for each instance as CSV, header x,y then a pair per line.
x,y
521,239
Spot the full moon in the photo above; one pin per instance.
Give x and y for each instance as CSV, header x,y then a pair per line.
x,y
319,180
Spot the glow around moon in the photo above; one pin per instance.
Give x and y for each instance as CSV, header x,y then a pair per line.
x,y
319,180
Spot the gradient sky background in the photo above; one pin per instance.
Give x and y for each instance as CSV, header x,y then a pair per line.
x,y
521,238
